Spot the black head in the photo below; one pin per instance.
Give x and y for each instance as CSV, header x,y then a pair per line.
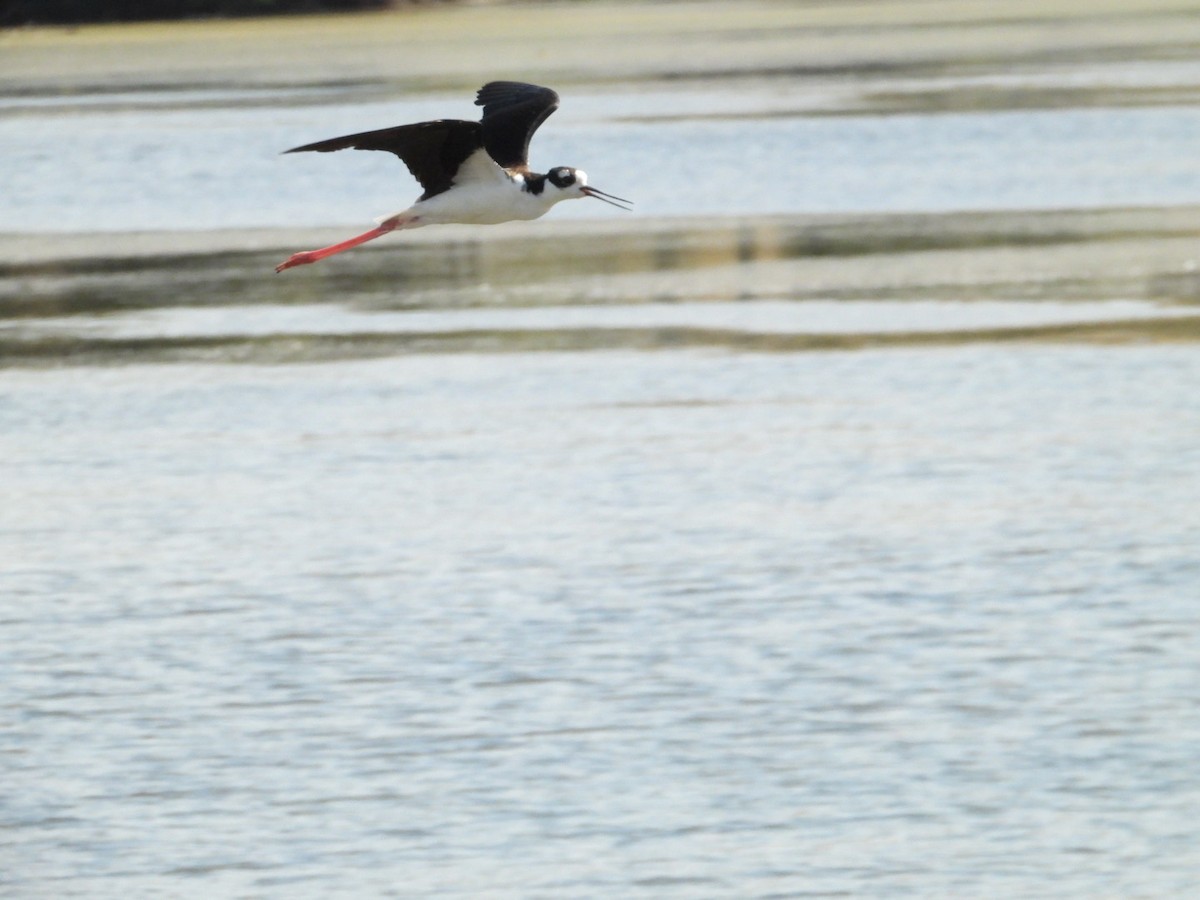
x,y
562,176
572,183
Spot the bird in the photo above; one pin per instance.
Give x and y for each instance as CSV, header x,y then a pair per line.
x,y
474,173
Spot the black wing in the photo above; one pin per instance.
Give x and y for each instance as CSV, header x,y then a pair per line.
x,y
433,151
512,112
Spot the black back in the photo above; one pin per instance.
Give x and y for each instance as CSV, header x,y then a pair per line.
x,y
434,151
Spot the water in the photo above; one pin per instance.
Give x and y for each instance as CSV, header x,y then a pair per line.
x,y
219,167
916,621
744,317
673,624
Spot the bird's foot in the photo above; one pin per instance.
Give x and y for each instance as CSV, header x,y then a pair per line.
x,y
302,258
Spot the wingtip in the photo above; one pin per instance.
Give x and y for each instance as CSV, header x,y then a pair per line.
x,y
501,91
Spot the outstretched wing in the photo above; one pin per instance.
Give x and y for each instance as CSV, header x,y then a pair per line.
x,y
512,112
433,151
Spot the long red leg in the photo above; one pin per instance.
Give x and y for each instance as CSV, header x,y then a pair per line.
x,y
305,257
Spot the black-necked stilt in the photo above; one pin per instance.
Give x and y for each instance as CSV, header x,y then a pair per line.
x,y
473,173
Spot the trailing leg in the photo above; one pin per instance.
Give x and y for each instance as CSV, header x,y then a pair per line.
x,y
305,257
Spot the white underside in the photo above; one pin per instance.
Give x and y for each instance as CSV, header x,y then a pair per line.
x,y
483,194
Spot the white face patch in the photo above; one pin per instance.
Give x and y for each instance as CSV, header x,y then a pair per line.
x,y
580,177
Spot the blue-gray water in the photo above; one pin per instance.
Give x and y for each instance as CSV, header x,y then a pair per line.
x,y
214,168
881,623
915,622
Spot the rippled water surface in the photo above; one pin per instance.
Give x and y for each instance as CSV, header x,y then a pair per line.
x,y
695,621
669,624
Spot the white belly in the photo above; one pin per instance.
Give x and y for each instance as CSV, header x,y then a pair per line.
x,y
481,203
483,194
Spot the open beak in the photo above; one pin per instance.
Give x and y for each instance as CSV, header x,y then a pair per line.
x,y
607,198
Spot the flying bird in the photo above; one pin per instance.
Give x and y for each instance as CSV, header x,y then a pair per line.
x,y
473,173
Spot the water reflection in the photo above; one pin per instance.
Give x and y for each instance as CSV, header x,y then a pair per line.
x,y
736,283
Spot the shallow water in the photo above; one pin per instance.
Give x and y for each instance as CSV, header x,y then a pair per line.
x,y
219,167
750,316
904,622
671,624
